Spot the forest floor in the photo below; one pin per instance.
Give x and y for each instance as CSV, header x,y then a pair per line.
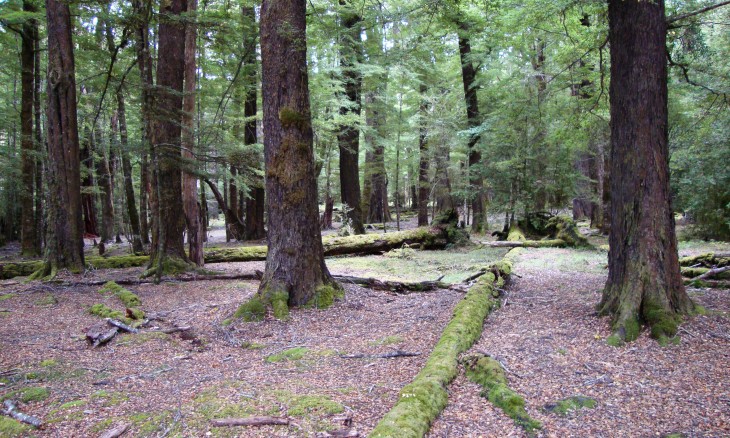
x,y
546,334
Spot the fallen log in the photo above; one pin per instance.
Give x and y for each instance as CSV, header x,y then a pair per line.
x,y
697,273
98,334
549,243
711,284
393,286
380,356
12,411
115,432
250,421
709,260
121,325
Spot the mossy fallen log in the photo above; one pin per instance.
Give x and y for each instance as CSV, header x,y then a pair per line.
x,y
544,224
421,401
548,243
719,273
709,260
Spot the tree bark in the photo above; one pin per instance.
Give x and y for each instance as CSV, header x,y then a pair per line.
x,y
39,144
295,262
168,252
644,282
468,74
137,247
106,186
190,179
423,187
65,244
234,225
88,206
349,136
142,9
28,239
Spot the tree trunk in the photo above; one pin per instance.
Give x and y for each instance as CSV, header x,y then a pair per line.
x,y
28,238
295,271
142,9
468,74
234,226
190,179
106,195
349,136
65,243
423,160
444,200
40,146
168,252
88,206
644,282
137,247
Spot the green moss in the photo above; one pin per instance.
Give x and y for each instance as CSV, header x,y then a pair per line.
x,y
280,305
46,300
28,395
252,346
325,295
614,340
102,311
632,328
422,400
49,363
11,428
300,406
126,296
72,404
252,310
565,406
136,314
109,398
7,296
661,322
142,337
295,353
488,373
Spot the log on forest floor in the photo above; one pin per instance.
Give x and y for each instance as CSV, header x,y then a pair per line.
x,y
549,243
425,238
392,355
710,284
709,260
12,411
722,273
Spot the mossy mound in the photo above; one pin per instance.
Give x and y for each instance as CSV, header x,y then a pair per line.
x,y
541,225
303,405
10,428
103,311
126,296
295,353
488,373
565,406
27,395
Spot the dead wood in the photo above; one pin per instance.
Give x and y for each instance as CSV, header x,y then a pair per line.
x,y
250,421
343,433
550,243
121,325
393,286
712,284
98,334
392,355
172,330
713,272
115,432
12,411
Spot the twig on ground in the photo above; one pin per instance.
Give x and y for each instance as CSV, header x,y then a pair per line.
x,y
121,325
116,431
380,356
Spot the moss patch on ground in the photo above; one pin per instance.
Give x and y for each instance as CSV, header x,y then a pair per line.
x,y
4,297
422,400
11,428
303,405
109,398
488,373
126,296
103,311
388,340
565,406
295,353
27,395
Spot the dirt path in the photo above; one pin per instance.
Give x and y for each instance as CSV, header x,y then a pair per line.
x,y
554,347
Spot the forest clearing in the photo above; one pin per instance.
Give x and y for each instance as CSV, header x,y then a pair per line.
x,y
350,218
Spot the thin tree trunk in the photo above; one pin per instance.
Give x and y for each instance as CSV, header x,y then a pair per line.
x,y
349,136
28,239
472,114
142,9
65,243
168,252
295,270
104,179
644,281
39,145
127,175
190,179
88,205
423,189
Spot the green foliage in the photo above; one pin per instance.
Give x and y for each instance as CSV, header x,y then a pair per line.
x,y
102,311
567,405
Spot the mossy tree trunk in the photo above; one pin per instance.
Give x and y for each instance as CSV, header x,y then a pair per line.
x,y
65,244
255,203
168,250
137,247
348,137
295,269
423,159
644,282
189,177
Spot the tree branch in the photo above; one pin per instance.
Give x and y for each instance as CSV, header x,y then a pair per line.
x,y
675,18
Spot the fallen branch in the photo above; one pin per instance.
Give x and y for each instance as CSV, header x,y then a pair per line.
x,y
380,356
552,243
712,273
250,421
121,325
12,410
394,286
115,432
711,284
98,335
176,329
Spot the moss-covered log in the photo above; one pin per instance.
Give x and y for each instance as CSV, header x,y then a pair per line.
x,y
20,269
537,225
697,272
422,400
548,243
709,260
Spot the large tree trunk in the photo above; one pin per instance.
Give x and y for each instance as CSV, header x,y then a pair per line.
x,y
142,9
644,282
168,252
190,179
28,239
468,74
39,144
65,243
349,136
295,271
423,189
127,174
